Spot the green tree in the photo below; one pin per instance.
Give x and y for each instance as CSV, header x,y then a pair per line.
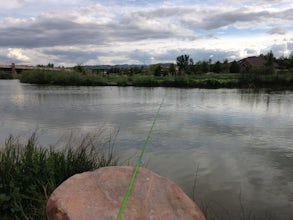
x,y
269,65
204,67
225,66
270,58
217,68
183,62
158,70
50,65
79,68
235,67
290,61
172,69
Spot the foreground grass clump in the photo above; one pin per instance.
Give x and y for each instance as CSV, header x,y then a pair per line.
x,y
29,172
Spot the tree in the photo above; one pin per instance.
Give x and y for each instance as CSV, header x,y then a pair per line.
x,y
50,65
183,62
79,68
269,65
217,67
225,66
290,61
172,69
158,70
235,67
204,67
270,58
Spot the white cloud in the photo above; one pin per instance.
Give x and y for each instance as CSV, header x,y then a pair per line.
x,y
141,31
18,54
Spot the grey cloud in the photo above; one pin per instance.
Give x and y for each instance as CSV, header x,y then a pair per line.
x,y
214,20
277,30
73,56
46,32
278,49
166,12
251,51
286,15
5,60
229,18
290,46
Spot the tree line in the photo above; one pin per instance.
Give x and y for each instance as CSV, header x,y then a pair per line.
x,y
186,65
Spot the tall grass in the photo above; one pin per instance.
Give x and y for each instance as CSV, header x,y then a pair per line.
x,y
66,78
211,81
6,75
29,172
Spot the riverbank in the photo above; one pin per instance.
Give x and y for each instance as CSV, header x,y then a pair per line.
x,y
280,80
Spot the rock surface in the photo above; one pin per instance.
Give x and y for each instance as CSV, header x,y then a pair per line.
x,y
98,195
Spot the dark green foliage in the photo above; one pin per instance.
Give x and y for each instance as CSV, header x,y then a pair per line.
x,y
4,75
183,63
29,173
217,68
205,67
262,77
141,80
158,70
172,69
235,67
270,59
79,68
56,77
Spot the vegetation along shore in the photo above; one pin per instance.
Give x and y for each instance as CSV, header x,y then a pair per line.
x,y
263,71
29,172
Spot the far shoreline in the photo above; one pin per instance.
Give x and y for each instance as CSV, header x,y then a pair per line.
x,y
276,81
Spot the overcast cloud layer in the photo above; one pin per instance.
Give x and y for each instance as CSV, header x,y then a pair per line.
x,y
71,32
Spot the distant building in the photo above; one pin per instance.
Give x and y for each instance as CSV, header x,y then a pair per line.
x,y
249,62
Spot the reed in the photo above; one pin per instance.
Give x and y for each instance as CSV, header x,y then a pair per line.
x,y
29,173
277,80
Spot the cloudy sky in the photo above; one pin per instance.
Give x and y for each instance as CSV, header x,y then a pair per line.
x,y
70,32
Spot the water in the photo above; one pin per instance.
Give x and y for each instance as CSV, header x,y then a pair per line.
x,y
238,144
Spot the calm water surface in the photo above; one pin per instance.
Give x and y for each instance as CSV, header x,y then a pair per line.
x,y
239,143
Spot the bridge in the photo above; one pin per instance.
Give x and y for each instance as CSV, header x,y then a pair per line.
x,y
15,68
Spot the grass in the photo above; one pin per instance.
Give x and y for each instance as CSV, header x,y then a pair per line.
x,y
29,173
4,75
211,81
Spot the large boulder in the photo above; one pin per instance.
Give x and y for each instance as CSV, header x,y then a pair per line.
x,y
98,195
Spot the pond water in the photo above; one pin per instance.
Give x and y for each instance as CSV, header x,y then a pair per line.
x,y
237,144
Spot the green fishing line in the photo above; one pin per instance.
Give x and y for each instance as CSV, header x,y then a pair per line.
x,y
138,165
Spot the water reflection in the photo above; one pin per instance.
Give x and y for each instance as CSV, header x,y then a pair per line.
x,y
241,141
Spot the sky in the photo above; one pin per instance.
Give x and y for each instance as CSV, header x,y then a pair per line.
x,y
91,32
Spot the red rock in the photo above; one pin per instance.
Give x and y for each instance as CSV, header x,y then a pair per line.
x,y
98,195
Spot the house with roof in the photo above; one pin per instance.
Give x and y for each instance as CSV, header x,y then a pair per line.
x,y
253,62
247,63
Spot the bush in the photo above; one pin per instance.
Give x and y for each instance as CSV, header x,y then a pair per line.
x,y
6,75
29,173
